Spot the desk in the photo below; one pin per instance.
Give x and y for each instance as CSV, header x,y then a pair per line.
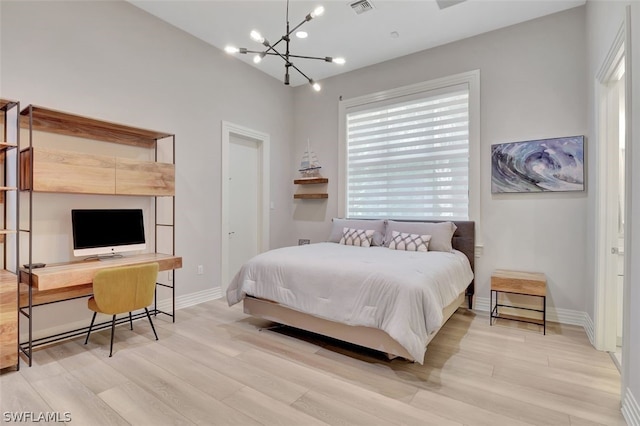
x,y
69,280
72,280
70,274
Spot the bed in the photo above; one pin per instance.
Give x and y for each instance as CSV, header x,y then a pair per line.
x,y
374,297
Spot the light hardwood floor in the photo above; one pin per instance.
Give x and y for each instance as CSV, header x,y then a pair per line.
x,y
214,366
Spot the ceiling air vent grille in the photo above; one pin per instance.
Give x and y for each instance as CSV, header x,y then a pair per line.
x,y
361,6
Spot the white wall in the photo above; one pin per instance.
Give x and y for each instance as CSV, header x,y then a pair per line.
x,y
631,378
112,61
603,21
532,86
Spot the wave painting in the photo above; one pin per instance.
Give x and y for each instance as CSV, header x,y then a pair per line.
x,y
546,165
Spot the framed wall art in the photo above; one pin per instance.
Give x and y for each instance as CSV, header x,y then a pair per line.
x,y
544,165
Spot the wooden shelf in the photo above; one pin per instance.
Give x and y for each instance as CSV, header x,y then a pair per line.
x,y
7,145
6,104
55,295
63,123
80,173
8,280
310,196
8,319
311,181
521,319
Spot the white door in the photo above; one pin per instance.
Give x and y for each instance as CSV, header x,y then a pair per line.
x,y
612,174
618,145
244,201
245,197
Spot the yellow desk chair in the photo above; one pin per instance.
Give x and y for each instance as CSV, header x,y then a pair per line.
x,y
123,289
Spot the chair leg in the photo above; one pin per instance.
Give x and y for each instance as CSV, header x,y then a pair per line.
x,y
113,329
90,327
130,320
151,322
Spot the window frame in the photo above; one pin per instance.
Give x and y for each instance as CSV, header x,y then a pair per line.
x,y
470,78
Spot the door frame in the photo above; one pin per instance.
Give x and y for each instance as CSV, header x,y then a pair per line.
x,y
605,296
263,140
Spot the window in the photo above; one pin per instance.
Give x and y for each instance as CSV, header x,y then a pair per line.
x,y
411,153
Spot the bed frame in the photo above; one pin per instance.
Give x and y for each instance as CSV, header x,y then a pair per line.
x,y
373,338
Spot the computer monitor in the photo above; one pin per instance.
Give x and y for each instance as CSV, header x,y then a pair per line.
x,y
110,232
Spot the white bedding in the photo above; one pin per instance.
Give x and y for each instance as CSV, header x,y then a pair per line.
x,y
400,292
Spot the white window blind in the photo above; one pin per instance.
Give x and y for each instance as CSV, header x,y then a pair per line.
x,y
408,158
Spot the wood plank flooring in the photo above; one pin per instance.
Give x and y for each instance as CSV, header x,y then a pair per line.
x,y
215,366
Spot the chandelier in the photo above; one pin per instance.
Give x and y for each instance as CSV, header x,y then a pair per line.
x,y
287,55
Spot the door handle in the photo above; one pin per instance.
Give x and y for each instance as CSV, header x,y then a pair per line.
x,y
615,250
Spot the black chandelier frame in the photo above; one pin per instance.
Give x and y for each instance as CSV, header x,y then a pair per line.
x,y
287,55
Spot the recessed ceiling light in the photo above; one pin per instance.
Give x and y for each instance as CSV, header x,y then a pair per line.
x,y
302,34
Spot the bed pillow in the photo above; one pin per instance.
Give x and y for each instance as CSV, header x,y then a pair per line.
x,y
338,225
357,237
441,233
409,242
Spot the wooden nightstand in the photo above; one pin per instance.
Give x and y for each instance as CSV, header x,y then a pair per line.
x,y
516,282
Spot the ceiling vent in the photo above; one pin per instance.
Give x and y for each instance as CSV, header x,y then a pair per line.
x,y
443,4
361,6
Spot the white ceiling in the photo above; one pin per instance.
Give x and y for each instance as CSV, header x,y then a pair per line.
x,y
362,40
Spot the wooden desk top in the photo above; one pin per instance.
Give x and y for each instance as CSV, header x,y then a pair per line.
x,y
69,274
531,283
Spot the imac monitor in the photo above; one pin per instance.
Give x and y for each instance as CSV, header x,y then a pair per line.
x,y
107,232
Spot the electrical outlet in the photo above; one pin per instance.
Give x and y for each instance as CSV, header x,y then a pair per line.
x,y
200,269
302,242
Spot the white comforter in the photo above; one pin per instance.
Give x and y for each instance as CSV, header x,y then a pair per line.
x,y
400,292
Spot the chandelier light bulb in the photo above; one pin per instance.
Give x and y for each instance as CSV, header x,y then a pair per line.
x,y
316,86
257,59
339,61
318,11
231,50
302,34
257,36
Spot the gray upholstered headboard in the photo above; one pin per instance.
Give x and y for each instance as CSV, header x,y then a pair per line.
x,y
464,240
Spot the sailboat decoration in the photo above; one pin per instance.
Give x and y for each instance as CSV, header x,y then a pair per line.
x,y
309,166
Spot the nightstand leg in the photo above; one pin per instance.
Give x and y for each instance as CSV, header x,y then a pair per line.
x,y
492,307
544,315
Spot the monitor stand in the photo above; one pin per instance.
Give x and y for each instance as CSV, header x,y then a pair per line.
x,y
105,256
109,256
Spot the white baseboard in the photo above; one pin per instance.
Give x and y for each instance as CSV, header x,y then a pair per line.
x,y
590,329
562,316
630,409
191,299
